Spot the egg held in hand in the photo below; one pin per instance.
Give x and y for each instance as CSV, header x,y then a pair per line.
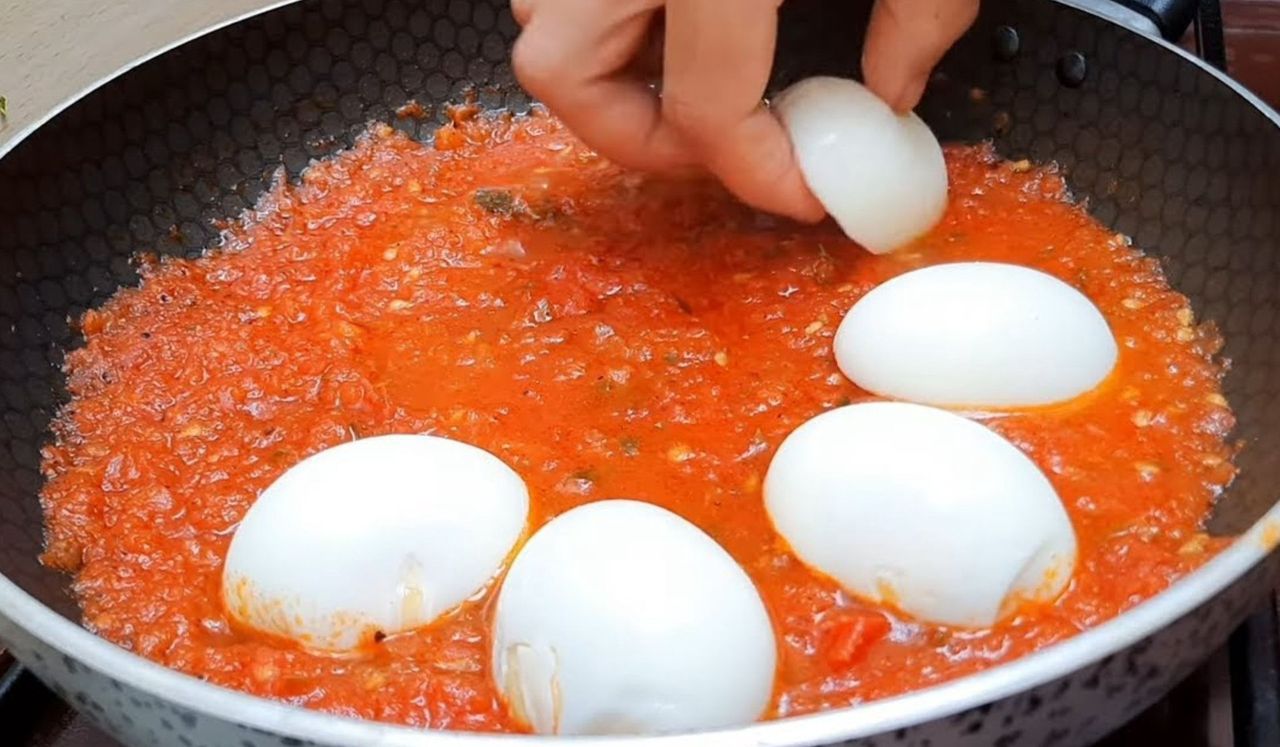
x,y
619,617
372,537
879,174
922,510
976,334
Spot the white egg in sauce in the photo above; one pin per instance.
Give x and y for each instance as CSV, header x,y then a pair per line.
x,y
880,175
976,334
373,537
620,617
920,509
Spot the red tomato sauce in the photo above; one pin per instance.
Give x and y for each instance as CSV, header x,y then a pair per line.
x,y
607,335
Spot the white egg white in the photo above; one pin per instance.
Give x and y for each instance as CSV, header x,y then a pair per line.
x,y
921,509
619,617
375,536
879,174
976,334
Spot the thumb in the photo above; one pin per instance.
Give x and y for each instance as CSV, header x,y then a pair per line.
x,y
905,39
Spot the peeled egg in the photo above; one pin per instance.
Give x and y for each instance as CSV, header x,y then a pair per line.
x,y
920,509
879,174
619,617
976,334
374,536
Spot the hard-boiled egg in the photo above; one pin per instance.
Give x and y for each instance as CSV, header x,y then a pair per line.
x,y
620,617
921,509
375,536
975,334
881,175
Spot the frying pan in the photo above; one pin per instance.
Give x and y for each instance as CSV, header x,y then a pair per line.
x,y
1158,145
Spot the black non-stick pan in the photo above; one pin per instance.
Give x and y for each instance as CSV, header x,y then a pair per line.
x,y
1157,144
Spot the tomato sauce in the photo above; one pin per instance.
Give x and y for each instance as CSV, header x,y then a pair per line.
x,y
607,335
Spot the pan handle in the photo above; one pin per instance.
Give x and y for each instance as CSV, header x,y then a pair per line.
x,y
1171,18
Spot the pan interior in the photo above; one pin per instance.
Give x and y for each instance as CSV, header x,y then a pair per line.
x,y
151,162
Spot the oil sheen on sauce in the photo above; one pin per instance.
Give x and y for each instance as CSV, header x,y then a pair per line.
x,y
607,335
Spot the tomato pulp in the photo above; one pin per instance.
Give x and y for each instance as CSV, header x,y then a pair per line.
x,y
607,335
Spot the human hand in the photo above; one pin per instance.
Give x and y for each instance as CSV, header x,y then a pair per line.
x,y
586,60
905,39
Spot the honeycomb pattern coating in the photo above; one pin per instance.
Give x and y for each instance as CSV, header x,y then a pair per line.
x,y
153,161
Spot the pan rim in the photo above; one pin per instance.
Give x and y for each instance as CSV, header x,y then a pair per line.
x,y
35,124
908,709
912,708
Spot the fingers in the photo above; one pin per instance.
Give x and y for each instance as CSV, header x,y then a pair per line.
x,y
905,39
586,60
573,56
716,67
